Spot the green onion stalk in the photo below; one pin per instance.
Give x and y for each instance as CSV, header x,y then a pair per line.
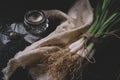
x,y
106,20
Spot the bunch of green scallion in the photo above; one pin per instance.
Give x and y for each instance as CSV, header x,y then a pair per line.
x,y
106,18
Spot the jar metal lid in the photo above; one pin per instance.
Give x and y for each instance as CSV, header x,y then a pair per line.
x,y
34,17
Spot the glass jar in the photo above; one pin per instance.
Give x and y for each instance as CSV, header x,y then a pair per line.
x,y
36,22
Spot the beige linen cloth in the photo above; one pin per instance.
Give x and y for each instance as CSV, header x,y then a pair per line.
x,y
73,24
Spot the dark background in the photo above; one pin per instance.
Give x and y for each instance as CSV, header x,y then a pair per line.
x,y
107,66
15,9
